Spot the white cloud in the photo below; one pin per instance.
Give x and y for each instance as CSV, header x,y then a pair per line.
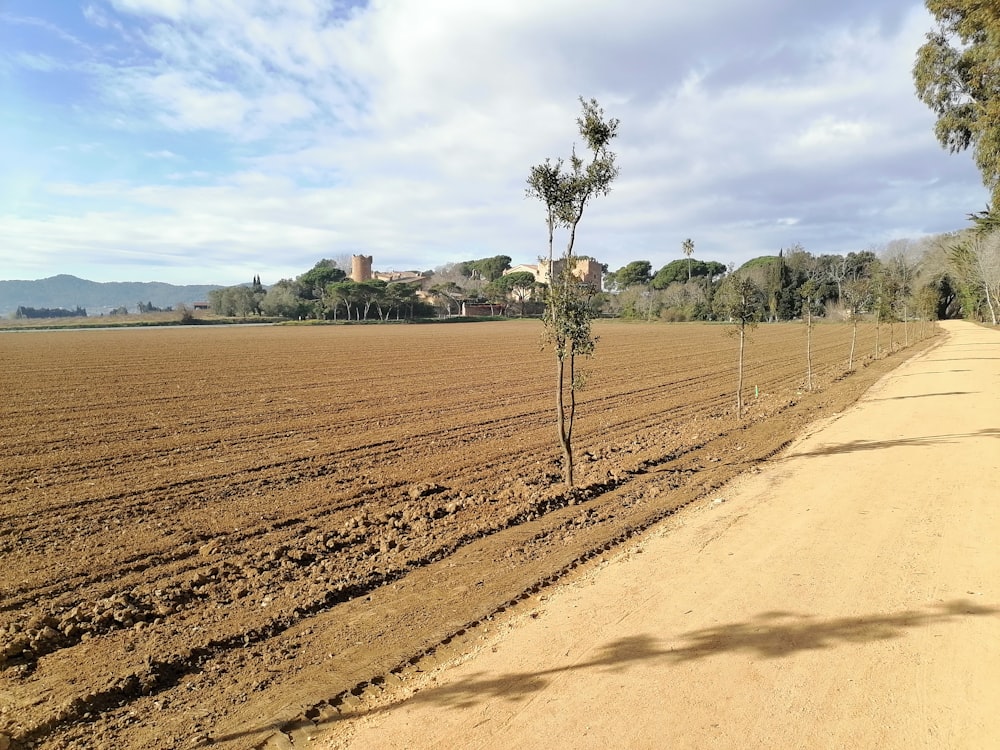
x,y
41,63
406,128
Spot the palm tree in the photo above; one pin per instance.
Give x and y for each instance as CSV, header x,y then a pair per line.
x,y
688,247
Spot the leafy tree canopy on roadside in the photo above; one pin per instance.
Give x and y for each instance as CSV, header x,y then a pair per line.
x,y
957,75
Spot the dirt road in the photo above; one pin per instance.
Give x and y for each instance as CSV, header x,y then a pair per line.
x,y
846,595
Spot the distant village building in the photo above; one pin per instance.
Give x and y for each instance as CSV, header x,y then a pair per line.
x,y
399,277
586,270
361,270
523,268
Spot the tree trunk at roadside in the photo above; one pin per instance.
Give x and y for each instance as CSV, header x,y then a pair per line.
x,y
809,360
739,376
854,343
989,303
561,428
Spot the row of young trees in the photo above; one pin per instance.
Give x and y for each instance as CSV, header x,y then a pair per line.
x,y
939,277
949,275
956,75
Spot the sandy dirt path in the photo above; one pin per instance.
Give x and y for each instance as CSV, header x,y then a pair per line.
x,y
846,595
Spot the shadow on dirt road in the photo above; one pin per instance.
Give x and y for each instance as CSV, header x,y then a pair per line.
x,y
769,635
855,446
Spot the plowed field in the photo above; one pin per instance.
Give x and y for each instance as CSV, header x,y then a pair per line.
x,y
211,534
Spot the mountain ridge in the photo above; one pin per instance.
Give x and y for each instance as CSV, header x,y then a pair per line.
x,y
96,297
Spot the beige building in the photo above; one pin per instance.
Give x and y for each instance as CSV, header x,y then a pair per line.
x,y
361,270
523,268
407,277
586,270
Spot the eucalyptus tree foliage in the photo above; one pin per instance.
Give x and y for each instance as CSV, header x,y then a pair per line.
x,y
986,221
957,74
566,189
976,265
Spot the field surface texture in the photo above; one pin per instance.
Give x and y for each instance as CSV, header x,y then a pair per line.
x,y
844,596
240,536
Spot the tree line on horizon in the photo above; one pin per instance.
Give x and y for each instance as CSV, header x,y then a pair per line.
x,y
944,276
24,312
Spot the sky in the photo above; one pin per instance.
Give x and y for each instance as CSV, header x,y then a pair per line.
x,y
209,141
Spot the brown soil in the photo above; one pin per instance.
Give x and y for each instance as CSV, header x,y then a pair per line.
x,y
842,595
227,535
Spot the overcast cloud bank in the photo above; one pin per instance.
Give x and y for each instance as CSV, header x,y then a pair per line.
x,y
205,141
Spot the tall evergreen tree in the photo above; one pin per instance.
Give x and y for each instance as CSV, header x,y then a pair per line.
x,y
957,74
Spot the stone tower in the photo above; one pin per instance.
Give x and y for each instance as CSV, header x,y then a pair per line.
x,y
361,268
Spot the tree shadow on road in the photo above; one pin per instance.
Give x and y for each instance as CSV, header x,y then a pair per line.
x,y
856,446
928,395
774,635
928,372
769,635
966,359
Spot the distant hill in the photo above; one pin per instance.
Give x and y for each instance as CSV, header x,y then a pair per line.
x,y
96,297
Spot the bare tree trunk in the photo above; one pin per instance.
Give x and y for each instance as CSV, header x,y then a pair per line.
x,y
562,432
809,361
989,303
854,343
571,419
739,376
560,415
